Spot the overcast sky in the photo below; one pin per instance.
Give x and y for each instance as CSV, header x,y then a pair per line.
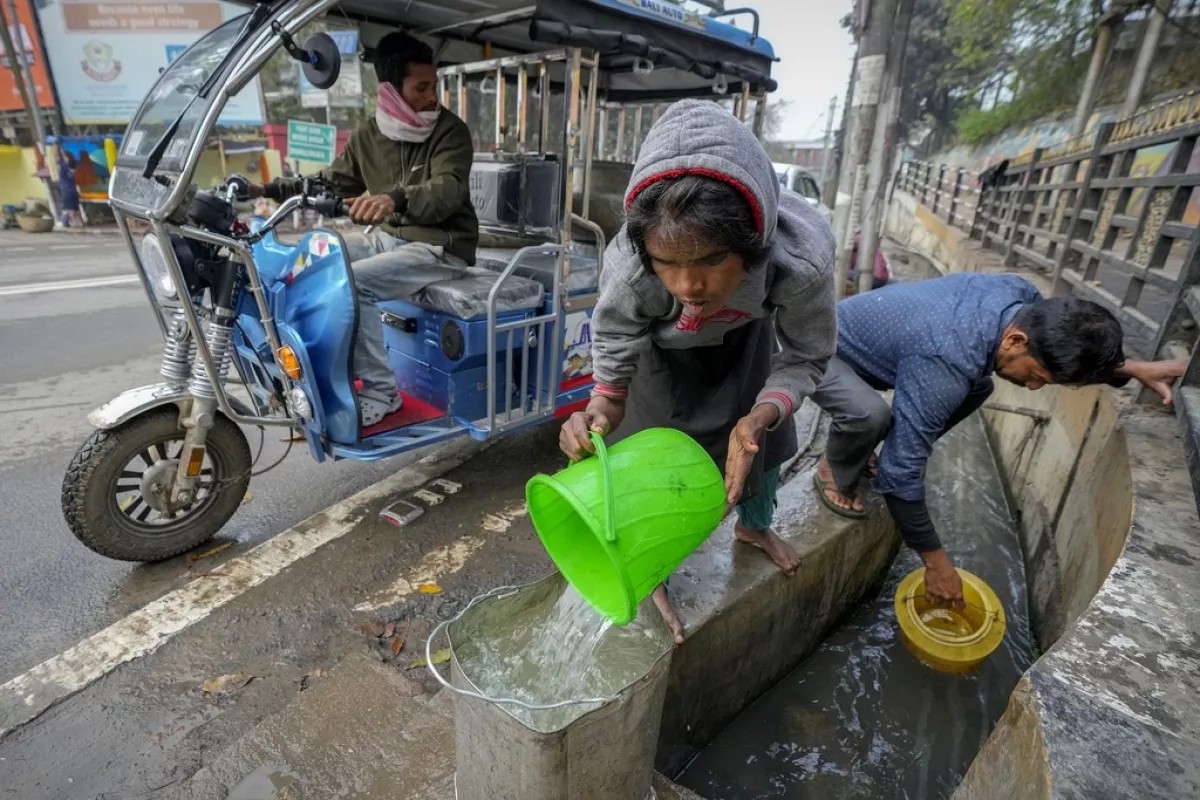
x,y
817,55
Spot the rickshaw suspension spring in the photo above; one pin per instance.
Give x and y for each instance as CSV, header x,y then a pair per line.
x,y
219,339
178,352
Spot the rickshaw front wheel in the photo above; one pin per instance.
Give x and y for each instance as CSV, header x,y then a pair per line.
x,y
112,494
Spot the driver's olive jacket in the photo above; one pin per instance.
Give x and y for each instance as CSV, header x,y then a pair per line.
x,y
428,180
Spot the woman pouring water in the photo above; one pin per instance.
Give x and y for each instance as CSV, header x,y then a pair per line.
x,y
716,313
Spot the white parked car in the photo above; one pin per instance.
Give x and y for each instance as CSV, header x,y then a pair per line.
x,y
802,182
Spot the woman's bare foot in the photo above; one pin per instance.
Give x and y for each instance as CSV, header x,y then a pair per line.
x,y
668,612
782,553
845,502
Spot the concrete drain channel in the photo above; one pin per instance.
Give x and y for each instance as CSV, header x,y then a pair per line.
x,y
860,717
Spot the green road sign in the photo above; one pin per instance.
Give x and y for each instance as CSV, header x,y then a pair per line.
x,y
308,141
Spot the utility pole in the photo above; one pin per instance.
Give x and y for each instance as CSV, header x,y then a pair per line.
x,y
883,147
827,153
23,78
875,29
839,146
1145,59
1105,34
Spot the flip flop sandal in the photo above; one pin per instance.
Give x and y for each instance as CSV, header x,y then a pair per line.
x,y
848,513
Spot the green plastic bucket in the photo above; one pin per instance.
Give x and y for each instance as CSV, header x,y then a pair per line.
x,y
618,524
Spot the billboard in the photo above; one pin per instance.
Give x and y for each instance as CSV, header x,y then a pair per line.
x,y
106,56
25,40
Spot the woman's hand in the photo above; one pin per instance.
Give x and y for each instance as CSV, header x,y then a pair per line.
x,y
743,447
602,415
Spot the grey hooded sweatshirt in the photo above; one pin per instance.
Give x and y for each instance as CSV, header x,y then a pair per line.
x,y
796,286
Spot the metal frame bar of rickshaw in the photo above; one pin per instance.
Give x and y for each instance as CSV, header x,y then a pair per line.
x,y
259,49
543,403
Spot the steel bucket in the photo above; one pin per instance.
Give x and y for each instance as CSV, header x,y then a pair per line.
x,y
604,753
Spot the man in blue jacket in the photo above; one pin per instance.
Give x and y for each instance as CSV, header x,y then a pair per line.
x,y
937,343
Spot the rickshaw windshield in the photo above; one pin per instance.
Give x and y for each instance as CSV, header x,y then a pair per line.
x,y
178,86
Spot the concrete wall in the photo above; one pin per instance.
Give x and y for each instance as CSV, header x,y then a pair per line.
x,y
1112,551
916,227
1066,467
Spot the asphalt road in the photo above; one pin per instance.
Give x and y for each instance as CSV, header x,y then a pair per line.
x,y
63,352
101,662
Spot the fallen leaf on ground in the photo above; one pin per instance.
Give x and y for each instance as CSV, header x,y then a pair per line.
x,y
226,683
440,657
429,588
193,558
397,645
247,497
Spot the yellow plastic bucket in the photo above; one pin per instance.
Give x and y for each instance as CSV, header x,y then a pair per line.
x,y
945,638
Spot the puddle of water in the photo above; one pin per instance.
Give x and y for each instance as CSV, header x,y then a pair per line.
x,y
558,649
268,782
861,717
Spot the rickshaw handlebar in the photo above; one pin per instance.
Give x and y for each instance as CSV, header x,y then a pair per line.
x,y
329,206
325,206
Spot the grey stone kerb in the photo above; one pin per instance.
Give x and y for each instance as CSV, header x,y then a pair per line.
x,y
1112,710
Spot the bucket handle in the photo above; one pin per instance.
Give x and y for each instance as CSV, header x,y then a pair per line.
x,y
500,591
994,614
610,496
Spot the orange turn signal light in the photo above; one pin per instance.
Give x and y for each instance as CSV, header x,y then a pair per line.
x,y
195,462
290,362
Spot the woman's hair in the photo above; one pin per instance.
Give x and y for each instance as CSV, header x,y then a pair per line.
x,y
395,52
711,211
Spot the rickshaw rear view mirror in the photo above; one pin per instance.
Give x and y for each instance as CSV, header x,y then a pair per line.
x,y
323,62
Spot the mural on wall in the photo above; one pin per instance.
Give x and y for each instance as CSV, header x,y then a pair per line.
x,y
1047,133
91,161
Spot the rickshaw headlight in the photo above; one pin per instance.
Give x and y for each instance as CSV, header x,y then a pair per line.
x,y
155,262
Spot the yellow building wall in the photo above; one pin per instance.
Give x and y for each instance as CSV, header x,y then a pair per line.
x,y
17,181
18,165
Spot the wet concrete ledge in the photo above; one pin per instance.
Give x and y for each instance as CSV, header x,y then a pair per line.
x,y
749,625
1112,549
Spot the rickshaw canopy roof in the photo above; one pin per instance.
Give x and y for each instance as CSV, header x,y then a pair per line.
x,y
690,52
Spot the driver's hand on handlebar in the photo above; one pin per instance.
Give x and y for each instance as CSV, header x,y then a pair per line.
x,y
371,209
244,188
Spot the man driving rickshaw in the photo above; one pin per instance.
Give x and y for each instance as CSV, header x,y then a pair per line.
x,y
407,171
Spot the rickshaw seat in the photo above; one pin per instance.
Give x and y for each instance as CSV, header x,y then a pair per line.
x,y
540,267
467,297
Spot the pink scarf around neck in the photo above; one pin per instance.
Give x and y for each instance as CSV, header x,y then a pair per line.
x,y
398,121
